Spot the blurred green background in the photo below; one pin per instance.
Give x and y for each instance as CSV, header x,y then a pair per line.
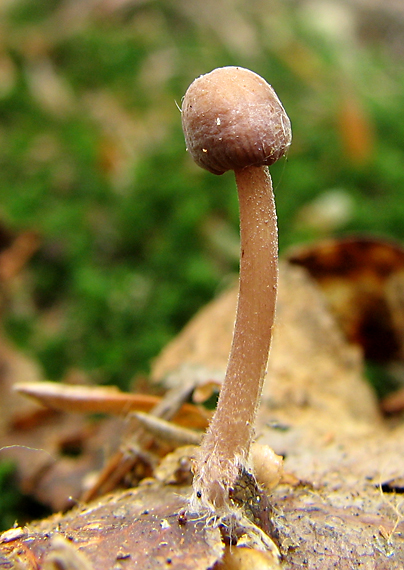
x,y
134,238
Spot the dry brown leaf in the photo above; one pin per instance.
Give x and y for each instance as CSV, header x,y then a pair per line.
x,y
87,399
344,521
244,558
14,367
54,458
106,400
356,130
58,457
14,257
310,365
138,528
358,277
64,555
336,505
394,402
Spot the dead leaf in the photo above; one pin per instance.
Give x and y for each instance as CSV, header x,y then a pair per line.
x,y
308,350
205,391
106,400
64,555
149,437
393,403
167,431
87,399
331,508
354,275
138,528
355,129
14,367
20,250
243,558
54,458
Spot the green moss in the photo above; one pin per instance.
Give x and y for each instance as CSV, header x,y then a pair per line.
x,y
93,159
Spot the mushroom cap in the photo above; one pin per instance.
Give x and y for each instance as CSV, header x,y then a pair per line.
x,y
232,118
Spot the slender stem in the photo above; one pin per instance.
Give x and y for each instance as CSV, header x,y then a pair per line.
x,y
226,444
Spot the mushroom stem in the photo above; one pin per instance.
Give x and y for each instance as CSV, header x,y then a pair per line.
x,y
233,120
219,460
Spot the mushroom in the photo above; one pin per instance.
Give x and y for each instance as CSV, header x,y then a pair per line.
x,y
233,120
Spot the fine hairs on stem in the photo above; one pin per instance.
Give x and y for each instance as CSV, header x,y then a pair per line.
x,y
233,120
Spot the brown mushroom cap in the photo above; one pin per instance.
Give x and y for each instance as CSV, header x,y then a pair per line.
x,y
232,118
